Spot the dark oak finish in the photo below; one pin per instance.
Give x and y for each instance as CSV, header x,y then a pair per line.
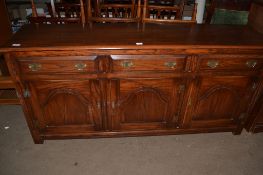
x,y
66,105
146,104
69,10
109,80
220,100
52,20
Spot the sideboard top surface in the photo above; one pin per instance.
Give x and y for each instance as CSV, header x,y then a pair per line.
x,y
132,36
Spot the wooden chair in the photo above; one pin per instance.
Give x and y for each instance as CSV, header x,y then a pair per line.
x,y
61,13
166,14
65,10
112,12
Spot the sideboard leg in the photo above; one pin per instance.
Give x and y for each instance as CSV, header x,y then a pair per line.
x,y
37,138
38,141
238,130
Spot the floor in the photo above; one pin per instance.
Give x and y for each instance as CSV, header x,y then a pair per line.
x,y
211,154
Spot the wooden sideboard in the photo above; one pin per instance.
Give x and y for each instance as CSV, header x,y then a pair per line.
x,y
111,80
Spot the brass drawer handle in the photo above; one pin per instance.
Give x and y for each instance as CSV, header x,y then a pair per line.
x,y
170,65
80,66
34,66
127,64
98,105
251,63
212,64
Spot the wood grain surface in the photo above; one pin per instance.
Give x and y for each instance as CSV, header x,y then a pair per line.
x,y
76,82
132,36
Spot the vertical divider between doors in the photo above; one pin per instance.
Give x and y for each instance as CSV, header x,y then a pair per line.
x,y
191,92
103,67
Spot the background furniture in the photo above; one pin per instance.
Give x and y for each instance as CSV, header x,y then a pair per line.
x,y
63,13
19,10
227,6
114,12
7,91
166,14
230,17
256,16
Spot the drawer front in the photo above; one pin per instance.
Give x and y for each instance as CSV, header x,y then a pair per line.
x,y
149,62
227,62
57,65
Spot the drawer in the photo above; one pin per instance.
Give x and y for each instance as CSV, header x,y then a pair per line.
x,y
57,64
149,62
227,62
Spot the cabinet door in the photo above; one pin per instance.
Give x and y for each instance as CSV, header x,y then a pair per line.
x,y
145,104
220,100
66,106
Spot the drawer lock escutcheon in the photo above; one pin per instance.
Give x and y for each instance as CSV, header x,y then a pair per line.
x,y
34,66
80,66
127,64
170,65
251,63
212,64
